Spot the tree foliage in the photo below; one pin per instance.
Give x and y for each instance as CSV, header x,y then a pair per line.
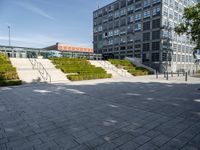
x,y
191,24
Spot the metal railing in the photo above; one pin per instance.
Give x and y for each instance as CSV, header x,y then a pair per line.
x,y
38,65
109,66
171,74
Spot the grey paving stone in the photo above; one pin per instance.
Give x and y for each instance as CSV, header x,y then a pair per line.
x,y
129,146
160,140
147,146
141,139
95,142
109,116
122,139
106,146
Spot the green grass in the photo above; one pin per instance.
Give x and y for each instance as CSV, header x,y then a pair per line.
x,y
131,68
79,69
8,74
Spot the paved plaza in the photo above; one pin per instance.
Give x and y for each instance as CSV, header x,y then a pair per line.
x,y
104,115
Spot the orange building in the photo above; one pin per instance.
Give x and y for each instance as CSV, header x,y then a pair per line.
x,y
67,48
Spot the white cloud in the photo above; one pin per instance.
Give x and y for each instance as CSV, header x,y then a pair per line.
x,y
35,10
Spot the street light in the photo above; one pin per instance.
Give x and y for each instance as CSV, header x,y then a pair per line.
x,y
9,35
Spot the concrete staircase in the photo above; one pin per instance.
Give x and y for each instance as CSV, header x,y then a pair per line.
x,y
57,76
25,70
116,72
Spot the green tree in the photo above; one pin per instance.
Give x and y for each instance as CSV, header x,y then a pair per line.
x,y
191,25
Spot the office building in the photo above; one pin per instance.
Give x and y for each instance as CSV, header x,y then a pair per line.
x,y
144,29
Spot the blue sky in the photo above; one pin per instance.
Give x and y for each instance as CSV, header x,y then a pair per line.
x,y
40,23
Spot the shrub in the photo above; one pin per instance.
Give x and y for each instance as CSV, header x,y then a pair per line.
x,y
8,74
198,72
81,69
131,68
10,82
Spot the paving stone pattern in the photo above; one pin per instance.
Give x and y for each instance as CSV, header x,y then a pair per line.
x,y
106,116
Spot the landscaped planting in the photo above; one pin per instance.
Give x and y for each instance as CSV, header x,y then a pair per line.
x,y
131,68
79,69
8,74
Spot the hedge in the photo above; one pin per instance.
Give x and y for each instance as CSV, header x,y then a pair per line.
x,y
10,82
131,68
8,74
79,69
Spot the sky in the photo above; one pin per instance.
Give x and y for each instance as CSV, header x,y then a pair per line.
x,y
41,23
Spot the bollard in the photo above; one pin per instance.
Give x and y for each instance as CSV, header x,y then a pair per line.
x,y
171,74
156,74
193,72
186,76
164,74
167,76
178,73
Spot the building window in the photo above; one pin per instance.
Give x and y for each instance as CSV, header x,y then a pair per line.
x,y
156,11
137,46
147,3
146,25
146,36
138,17
156,23
156,35
155,57
110,42
138,27
123,22
123,12
147,14
156,1
116,32
138,6
155,46
130,10
130,19
122,47
146,47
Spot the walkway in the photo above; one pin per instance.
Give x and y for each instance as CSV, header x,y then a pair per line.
x,y
102,115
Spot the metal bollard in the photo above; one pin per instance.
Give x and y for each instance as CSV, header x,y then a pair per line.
x,y
186,76
178,73
167,76
156,74
164,74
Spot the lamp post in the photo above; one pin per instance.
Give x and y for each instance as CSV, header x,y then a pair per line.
x,y
9,35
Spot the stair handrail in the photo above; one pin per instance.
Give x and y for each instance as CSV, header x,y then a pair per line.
x,y
121,72
38,65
